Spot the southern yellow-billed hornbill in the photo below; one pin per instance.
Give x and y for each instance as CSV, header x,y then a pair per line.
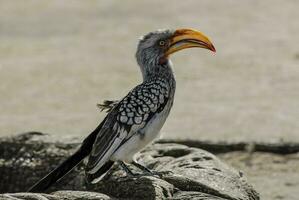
x,y
134,121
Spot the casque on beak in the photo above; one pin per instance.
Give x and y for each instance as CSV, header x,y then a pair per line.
x,y
188,38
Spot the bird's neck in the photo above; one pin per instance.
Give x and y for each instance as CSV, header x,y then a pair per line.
x,y
161,70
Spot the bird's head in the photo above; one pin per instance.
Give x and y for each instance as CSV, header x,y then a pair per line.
x,y
156,47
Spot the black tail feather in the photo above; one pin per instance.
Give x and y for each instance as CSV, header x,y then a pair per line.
x,y
68,164
58,172
98,175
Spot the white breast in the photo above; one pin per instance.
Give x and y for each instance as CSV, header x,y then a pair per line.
x,y
143,137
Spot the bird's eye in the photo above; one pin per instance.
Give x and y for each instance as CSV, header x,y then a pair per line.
x,y
162,42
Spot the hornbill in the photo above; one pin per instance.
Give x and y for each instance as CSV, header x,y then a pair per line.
x,y
134,121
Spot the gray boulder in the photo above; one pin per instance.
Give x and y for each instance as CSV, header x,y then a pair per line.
x,y
190,173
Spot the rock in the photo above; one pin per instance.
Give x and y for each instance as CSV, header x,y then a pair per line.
x,y
25,158
190,173
66,195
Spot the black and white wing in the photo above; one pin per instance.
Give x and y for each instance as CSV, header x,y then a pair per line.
x,y
127,117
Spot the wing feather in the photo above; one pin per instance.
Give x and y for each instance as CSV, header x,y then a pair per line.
x,y
125,119
108,140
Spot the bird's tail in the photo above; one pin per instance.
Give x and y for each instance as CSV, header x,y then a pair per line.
x,y
96,177
58,172
68,164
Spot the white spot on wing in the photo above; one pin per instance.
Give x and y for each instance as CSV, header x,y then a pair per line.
x,y
123,119
130,121
131,114
138,120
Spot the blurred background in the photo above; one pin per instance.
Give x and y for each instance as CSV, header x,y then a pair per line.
x,y
58,59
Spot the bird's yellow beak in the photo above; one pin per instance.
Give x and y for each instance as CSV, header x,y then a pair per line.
x,y
188,38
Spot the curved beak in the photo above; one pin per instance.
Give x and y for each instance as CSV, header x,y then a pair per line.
x,y
188,38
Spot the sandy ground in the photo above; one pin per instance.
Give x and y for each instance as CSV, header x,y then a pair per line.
x,y
59,58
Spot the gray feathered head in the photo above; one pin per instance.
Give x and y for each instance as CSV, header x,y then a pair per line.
x,y
155,47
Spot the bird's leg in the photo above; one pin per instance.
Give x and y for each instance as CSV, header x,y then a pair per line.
x,y
126,169
142,168
148,171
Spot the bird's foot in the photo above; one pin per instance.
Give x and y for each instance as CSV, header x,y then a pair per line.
x,y
147,171
159,174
